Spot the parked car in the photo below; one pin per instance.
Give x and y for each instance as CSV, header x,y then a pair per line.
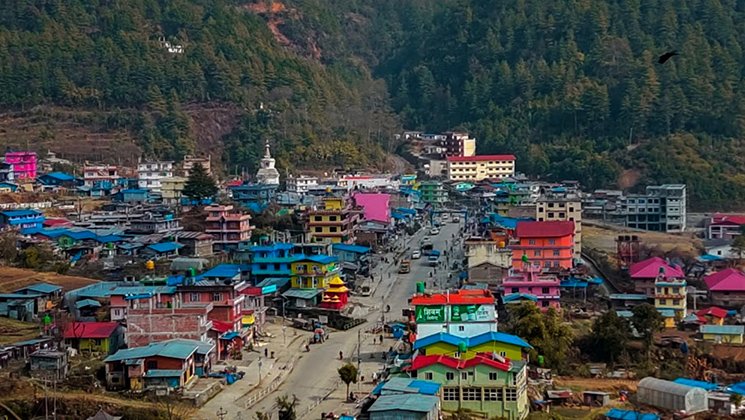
x,y
416,255
434,231
456,219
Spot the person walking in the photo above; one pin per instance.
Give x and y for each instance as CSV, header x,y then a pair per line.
x,y
381,338
341,355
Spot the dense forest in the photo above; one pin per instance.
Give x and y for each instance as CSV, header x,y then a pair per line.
x,y
572,87
113,55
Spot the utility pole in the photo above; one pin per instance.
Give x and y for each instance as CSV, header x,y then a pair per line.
x,y
359,359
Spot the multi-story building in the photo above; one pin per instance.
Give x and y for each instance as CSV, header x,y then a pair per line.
x,y
151,173
670,298
562,207
171,189
301,184
26,220
362,182
100,174
662,208
724,226
463,313
152,222
433,192
267,261
477,168
543,244
644,274
228,228
190,161
24,165
253,196
489,259
459,144
530,284
334,222
486,383
727,288
311,277
503,344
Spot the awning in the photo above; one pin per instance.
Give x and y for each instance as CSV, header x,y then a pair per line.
x,y
302,293
229,336
87,302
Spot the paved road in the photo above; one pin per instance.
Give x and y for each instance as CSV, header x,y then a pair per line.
x,y
315,376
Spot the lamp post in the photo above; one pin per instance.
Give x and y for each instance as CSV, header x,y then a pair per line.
x,y
284,335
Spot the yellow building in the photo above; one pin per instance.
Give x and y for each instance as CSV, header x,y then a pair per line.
x,y
505,345
723,334
477,168
334,222
315,272
562,207
171,189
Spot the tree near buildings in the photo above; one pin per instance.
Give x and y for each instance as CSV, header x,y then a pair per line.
x,y
200,185
550,337
348,375
647,321
609,336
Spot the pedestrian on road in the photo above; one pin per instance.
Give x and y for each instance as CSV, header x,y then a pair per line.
x,y
381,338
374,341
266,352
341,355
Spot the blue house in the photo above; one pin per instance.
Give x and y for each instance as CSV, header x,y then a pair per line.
x,y
268,261
25,220
132,196
162,250
7,186
54,180
354,259
225,272
254,196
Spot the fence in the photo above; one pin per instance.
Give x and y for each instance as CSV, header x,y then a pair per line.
x,y
273,385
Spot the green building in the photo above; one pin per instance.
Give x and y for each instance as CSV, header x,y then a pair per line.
x,y
433,192
487,383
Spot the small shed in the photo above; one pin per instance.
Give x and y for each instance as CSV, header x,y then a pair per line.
x,y
596,398
671,396
49,364
405,407
559,396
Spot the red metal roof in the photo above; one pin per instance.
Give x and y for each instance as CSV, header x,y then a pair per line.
x,y
90,329
728,280
713,311
458,297
727,219
221,326
480,158
550,229
454,363
650,269
57,222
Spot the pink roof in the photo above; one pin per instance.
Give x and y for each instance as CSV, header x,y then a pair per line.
x,y
90,329
454,363
650,269
376,206
480,158
727,219
728,280
550,229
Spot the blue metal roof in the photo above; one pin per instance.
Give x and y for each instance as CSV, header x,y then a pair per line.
x,y
224,271
31,342
406,402
229,335
20,213
321,259
135,191
87,302
618,414
96,290
666,312
738,388
165,246
624,314
279,246
18,296
61,176
280,282
486,337
139,290
574,284
164,373
516,297
175,349
697,384
407,386
722,329
406,210
41,288
358,249
105,239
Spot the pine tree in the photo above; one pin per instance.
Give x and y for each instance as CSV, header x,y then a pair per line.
x,y
200,185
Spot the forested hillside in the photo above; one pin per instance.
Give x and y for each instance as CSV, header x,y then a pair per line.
x,y
112,59
574,88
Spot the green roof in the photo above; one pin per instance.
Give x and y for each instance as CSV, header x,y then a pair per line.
x,y
174,349
302,293
163,373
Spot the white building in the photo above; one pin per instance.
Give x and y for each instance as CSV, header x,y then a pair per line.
x,y
94,174
151,173
562,207
363,182
301,184
267,173
477,168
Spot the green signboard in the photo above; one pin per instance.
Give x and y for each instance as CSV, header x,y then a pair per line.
x,y
433,314
470,313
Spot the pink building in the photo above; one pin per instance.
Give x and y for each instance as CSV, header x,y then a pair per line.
x,y
376,206
227,227
23,163
543,289
727,288
644,274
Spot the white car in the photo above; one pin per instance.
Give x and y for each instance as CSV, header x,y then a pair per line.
x,y
434,231
416,255
445,216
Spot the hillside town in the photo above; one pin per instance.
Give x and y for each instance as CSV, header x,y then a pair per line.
x,y
459,288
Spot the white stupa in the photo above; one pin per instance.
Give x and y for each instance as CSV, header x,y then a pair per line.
x,y
267,174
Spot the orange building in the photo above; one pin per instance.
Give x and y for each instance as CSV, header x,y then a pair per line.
x,y
544,244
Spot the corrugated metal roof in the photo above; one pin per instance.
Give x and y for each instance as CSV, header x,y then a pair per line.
x,y
302,293
141,290
499,337
698,384
407,386
41,288
164,373
176,349
224,271
406,402
359,249
280,282
165,247
87,302
722,329
618,414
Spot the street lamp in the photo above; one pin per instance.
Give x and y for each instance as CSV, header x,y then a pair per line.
x,y
284,335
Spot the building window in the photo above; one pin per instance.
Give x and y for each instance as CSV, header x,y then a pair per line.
x,y
537,253
464,375
510,394
216,297
317,218
676,302
318,229
493,376
515,290
332,229
461,328
428,375
531,241
552,241
492,394
550,215
544,304
450,393
663,301
471,394
557,252
545,290
449,376
194,297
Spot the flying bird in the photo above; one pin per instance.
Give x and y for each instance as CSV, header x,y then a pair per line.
x,y
668,55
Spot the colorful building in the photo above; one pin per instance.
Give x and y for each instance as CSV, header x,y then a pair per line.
x,y
189,161
336,296
486,384
644,274
311,276
477,168
506,345
99,337
433,192
150,174
227,227
544,245
375,206
723,334
94,175
530,284
24,165
459,144
267,261
463,313
726,288
334,222
172,189
563,207
166,364
670,294
25,220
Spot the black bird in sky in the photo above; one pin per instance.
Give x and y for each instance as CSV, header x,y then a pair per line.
x,y
668,55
